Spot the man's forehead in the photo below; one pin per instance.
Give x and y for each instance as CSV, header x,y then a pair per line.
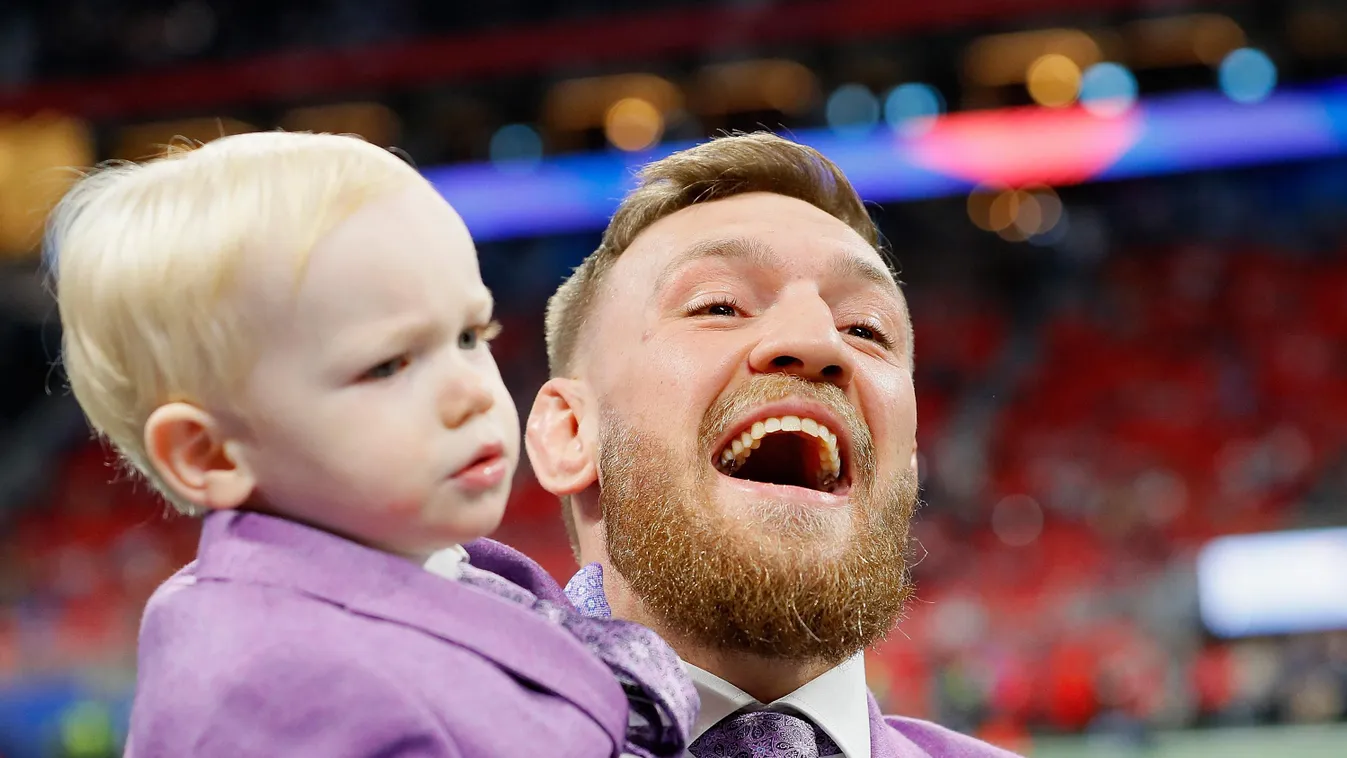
x,y
824,257
773,229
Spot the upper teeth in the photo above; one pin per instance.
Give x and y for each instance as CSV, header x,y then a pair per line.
x,y
738,449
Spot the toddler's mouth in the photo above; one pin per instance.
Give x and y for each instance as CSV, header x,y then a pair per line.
x,y
485,470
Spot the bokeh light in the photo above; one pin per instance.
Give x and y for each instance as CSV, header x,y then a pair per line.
x,y
1108,89
516,148
980,202
1214,36
1049,211
852,110
1053,80
1248,76
140,141
1016,215
754,85
911,109
1034,211
1017,520
633,124
375,122
1007,207
1025,219
999,59
1056,235
33,154
584,103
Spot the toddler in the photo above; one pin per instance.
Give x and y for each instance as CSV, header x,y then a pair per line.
x,y
287,333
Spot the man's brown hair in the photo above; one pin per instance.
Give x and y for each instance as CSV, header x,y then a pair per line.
x,y
714,170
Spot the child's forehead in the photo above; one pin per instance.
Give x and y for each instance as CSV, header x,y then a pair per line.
x,y
395,253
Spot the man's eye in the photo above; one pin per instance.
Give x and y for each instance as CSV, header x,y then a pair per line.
x,y
722,307
386,370
871,334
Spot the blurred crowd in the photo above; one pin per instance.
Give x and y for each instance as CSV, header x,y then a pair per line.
x,y
1187,393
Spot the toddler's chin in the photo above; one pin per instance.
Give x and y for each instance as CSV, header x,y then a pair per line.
x,y
471,521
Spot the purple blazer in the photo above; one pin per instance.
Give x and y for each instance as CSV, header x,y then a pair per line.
x,y
899,737
890,736
283,640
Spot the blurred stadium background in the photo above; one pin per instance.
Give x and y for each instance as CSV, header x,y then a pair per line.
x,y
1123,226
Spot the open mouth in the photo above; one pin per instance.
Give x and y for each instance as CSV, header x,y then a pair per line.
x,y
486,455
487,469
793,451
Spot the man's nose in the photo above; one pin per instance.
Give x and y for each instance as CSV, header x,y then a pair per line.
x,y
463,398
801,338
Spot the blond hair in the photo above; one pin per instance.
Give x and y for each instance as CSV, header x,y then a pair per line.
x,y
146,256
714,170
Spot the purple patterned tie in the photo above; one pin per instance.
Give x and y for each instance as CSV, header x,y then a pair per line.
x,y
663,703
585,591
760,734
764,734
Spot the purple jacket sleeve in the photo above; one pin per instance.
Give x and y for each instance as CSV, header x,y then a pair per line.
x,y
293,700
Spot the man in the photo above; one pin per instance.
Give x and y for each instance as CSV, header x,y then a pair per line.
x,y
731,422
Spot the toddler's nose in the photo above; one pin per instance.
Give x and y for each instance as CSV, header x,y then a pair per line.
x,y
461,400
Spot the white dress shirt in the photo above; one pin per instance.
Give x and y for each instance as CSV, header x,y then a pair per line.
x,y
447,562
838,702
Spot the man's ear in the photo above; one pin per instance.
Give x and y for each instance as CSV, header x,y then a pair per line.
x,y
192,455
560,447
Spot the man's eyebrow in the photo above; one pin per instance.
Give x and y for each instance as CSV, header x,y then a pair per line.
x,y
855,267
739,248
732,248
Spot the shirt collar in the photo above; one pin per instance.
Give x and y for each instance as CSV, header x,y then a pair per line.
x,y
837,702
446,562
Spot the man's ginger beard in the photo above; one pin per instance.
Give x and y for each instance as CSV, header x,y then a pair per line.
x,y
773,579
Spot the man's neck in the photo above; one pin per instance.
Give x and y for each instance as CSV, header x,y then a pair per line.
x,y
766,679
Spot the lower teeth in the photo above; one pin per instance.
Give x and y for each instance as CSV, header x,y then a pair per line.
x,y
827,481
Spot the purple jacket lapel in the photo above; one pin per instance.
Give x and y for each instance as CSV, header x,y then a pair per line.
x,y
899,737
884,741
505,561
252,547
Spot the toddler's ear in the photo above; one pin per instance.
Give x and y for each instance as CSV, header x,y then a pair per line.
x,y
558,438
191,454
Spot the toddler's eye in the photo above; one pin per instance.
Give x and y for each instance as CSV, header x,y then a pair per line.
x,y
386,370
469,339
